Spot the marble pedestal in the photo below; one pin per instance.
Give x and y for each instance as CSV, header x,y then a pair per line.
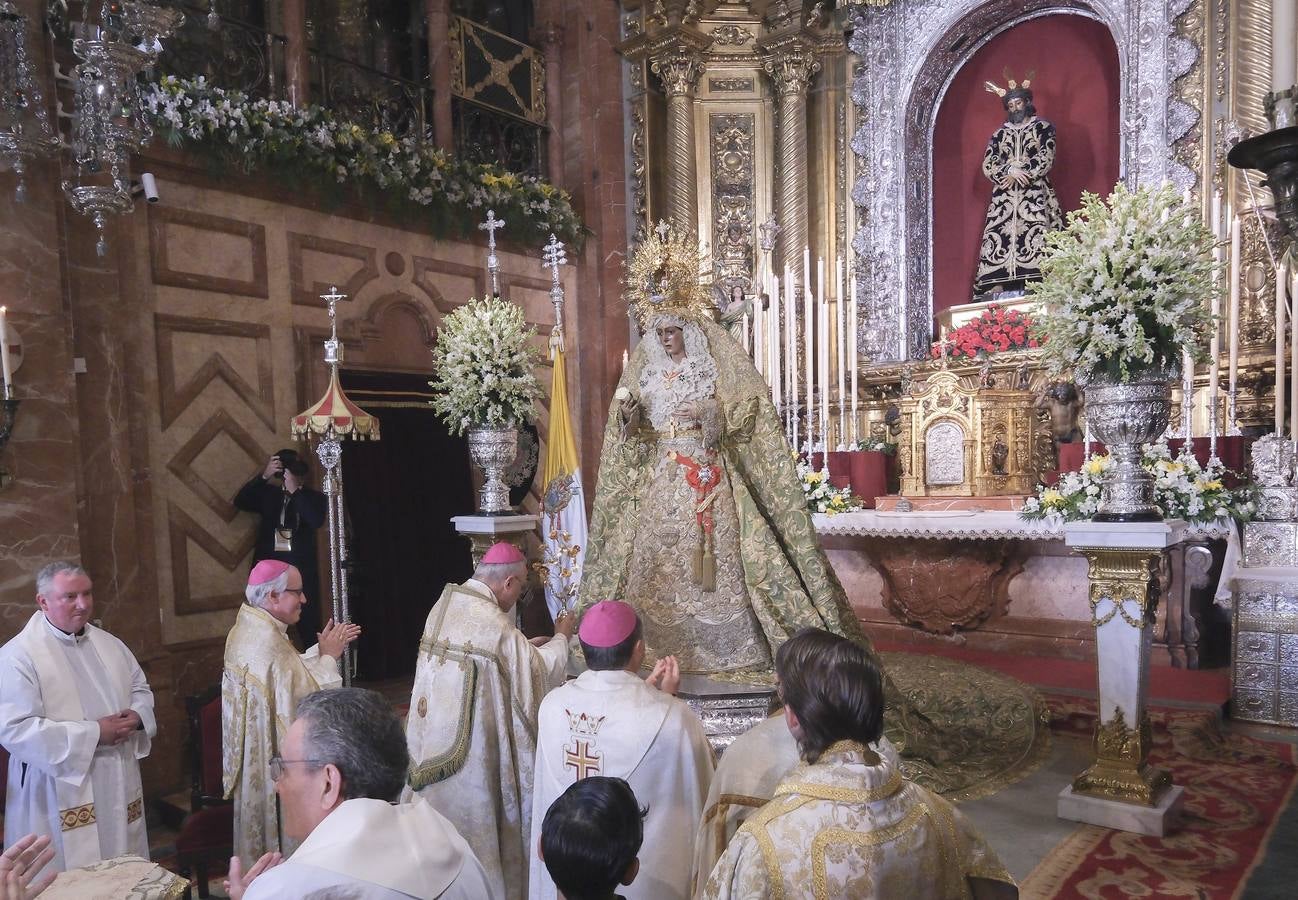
x,y
1155,821
483,531
1123,561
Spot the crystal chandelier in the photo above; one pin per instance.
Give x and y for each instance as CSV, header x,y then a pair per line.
x,y
107,120
25,130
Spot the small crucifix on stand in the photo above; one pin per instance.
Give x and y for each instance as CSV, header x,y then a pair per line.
x,y
493,264
942,345
554,255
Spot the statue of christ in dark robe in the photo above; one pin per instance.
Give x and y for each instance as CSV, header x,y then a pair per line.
x,y
1023,205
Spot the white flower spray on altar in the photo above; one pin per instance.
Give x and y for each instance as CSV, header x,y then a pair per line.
x,y
485,367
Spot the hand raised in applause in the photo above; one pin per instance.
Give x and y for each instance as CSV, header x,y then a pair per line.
x,y
117,727
239,881
666,675
20,863
334,639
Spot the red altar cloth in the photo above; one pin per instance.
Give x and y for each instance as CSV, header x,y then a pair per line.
x,y
864,471
1232,451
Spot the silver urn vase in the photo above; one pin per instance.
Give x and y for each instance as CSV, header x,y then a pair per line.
x,y
492,450
1123,416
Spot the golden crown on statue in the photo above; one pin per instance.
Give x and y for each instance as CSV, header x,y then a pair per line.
x,y
662,278
1011,85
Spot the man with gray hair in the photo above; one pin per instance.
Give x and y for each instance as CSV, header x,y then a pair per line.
x,y
344,764
472,722
76,715
264,678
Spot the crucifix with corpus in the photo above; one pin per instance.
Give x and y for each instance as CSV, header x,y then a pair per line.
x,y
493,264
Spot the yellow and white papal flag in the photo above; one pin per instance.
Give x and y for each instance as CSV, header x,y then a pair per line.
x,y
563,505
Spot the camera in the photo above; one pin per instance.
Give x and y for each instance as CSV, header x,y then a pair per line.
x,y
291,462
150,187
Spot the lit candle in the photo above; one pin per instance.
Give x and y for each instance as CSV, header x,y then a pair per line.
x,y
625,359
853,325
1232,329
6,367
822,342
1281,279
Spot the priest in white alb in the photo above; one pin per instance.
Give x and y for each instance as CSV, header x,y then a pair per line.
x,y
76,715
472,721
611,722
264,678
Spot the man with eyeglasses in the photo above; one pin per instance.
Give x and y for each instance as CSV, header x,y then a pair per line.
x,y
472,723
344,764
264,678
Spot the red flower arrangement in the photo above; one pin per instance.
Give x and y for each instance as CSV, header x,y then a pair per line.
x,y
995,331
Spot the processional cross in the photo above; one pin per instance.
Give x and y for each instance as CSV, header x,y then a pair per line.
x,y
493,264
663,229
332,356
553,256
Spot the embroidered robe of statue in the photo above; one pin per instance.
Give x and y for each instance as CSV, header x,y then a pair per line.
x,y
472,726
611,723
1018,216
54,688
263,681
852,826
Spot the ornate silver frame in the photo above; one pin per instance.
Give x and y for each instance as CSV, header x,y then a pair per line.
x,y
908,53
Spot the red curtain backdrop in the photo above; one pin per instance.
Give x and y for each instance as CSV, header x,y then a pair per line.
x,y
1075,87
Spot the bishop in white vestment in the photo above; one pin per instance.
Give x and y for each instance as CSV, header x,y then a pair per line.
x,y
76,715
610,722
472,721
263,680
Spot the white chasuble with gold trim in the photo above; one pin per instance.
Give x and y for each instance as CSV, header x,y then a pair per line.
x,y
54,687
850,826
263,681
613,724
472,726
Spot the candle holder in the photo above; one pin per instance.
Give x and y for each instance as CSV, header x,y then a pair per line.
x,y
1276,153
1232,423
8,412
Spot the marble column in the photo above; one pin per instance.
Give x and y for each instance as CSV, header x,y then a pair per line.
x,y
791,65
297,59
549,37
439,70
679,66
1121,789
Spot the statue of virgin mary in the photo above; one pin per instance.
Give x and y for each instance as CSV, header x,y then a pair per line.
x,y
700,523
699,519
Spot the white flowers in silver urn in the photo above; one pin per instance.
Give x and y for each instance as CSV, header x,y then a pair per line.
x,y
1124,295
484,382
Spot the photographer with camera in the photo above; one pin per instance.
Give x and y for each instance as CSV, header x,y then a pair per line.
x,y
290,514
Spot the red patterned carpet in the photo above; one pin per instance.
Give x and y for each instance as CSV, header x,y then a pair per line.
x,y
1235,789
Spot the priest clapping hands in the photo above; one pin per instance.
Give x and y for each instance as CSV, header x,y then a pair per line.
x,y
19,864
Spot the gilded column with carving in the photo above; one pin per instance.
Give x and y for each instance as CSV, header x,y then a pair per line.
x,y
791,63
679,63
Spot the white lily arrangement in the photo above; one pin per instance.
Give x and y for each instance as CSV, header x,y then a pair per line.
x,y
485,367
820,493
1183,489
1125,285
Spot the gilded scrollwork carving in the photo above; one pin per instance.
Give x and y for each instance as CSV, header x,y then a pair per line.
x,y
1122,584
732,143
679,67
730,36
1121,770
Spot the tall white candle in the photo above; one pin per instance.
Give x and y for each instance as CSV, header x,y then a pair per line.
x,y
1293,363
823,340
1214,343
773,344
808,335
791,340
6,367
1284,22
840,335
759,338
1232,330
1281,280
853,325
747,344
